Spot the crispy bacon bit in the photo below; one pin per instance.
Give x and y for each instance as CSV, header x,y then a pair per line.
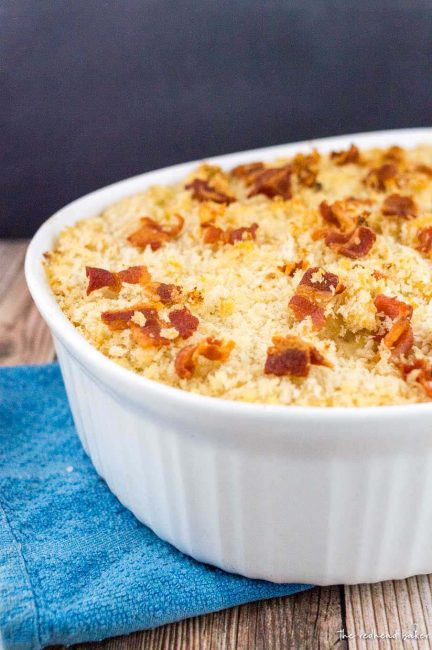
x,y
320,281
213,349
303,307
203,191
135,275
153,234
289,355
119,319
247,172
185,361
394,154
215,235
399,206
101,278
352,155
399,338
423,370
169,294
355,245
272,181
424,169
247,233
392,307
276,181
342,214
353,238
184,322
149,334
313,293
425,240
305,167
380,177
289,268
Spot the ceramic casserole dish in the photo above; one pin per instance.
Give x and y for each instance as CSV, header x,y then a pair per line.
x,y
284,493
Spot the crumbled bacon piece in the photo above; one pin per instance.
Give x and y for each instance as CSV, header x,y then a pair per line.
x,y
120,319
352,238
149,334
423,370
101,279
399,338
153,234
210,348
289,355
273,181
399,206
342,214
247,172
289,268
425,240
321,281
185,361
184,322
351,155
305,167
135,275
424,169
276,181
315,290
247,233
355,244
394,154
215,235
303,307
169,294
380,177
203,191
392,307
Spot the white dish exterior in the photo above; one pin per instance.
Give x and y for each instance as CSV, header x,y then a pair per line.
x,y
287,494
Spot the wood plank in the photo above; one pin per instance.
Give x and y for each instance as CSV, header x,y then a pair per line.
x,y
391,608
24,337
307,620
11,261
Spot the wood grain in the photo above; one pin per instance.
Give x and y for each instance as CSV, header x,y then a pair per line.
x,y
391,608
24,337
310,620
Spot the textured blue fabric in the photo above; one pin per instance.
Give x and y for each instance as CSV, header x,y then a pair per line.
x,y
74,564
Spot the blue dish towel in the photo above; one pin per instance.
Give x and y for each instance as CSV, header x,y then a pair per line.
x,y
74,564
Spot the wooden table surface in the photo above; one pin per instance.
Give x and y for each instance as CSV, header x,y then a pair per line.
x,y
311,619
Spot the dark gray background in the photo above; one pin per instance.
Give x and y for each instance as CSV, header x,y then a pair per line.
x,y
93,91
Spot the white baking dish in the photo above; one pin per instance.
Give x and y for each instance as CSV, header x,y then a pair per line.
x,y
299,494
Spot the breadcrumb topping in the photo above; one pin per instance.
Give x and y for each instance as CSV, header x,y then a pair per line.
x,y
287,280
